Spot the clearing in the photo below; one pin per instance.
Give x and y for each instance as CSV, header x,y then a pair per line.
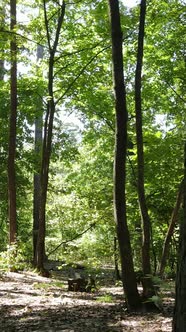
x,y
29,302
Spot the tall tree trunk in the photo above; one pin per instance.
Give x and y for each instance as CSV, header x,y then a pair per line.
x,y
47,139
37,180
146,229
116,256
2,24
179,318
2,64
170,231
1,70
12,130
128,275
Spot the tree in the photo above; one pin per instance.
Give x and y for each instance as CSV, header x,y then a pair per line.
x,y
146,227
80,183
2,24
174,219
128,275
12,129
48,131
179,318
164,61
37,179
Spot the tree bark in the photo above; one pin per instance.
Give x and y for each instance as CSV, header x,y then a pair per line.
x,y
12,130
2,24
170,230
179,318
37,178
1,70
146,229
116,263
128,275
47,139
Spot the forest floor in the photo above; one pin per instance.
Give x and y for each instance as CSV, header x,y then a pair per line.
x,y
29,302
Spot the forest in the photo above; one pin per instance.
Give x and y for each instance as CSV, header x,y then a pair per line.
x,y
93,160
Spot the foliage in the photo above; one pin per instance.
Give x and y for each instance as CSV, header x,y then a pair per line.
x,y
15,258
107,298
81,172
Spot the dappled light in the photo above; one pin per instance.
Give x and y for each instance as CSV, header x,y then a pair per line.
x,y
34,303
92,166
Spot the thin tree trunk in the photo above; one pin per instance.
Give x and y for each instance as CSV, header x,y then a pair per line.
x,y
116,255
37,182
128,275
146,229
2,24
170,230
47,139
179,318
1,70
12,130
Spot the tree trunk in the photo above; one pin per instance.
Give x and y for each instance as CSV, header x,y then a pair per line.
x,y
46,152
37,182
2,24
1,70
128,275
179,318
47,139
170,231
146,229
116,255
12,130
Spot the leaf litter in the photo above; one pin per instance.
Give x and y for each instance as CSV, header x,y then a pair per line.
x,y
29,302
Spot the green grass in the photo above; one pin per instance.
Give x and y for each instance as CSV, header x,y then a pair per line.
x,y
105,298
47,286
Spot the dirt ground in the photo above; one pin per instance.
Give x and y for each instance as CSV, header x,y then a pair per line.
x,y
29,302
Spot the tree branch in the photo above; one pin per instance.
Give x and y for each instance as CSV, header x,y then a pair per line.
x,y
60,22
19,35
80,73
73,238
46,24
177,94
